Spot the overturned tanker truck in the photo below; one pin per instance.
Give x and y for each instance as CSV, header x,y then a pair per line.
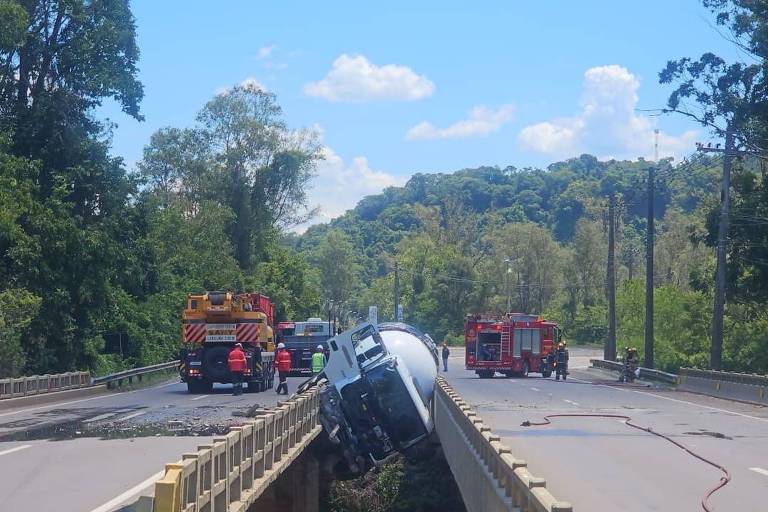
x,y
376,397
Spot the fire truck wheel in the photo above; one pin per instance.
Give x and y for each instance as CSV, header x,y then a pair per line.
x,y
485,374
547,374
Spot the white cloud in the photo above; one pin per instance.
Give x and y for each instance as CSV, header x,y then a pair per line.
x,y
608,125
338,186
481,121
248,83
265,52
355,78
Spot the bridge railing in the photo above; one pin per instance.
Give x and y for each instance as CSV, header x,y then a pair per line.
x,y
229,474
38,384
489,477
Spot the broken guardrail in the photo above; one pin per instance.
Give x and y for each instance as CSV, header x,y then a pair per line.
x,y
489,477
645,373
41,384
233,471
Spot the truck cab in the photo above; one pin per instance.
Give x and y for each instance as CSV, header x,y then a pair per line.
x,y
378,400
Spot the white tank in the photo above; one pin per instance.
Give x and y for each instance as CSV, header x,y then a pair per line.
x,y
417,351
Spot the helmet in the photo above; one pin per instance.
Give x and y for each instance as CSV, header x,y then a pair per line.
x,y
281,345
239,345
561,345
320,347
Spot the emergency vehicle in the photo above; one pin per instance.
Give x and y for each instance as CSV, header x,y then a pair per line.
x,y
212,323
514,344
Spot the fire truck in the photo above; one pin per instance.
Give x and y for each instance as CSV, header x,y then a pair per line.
x,y
212,323
514,344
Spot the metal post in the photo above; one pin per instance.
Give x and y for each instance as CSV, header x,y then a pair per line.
x,y
716,353
648,363
610,344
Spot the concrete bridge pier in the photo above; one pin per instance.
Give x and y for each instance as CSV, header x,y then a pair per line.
x,y
296,490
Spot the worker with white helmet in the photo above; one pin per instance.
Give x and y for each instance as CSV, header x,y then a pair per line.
x,y
283,365
318,360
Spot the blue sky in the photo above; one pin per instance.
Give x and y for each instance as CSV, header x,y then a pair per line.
x,y
426,86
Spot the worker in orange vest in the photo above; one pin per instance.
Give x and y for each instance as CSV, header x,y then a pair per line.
x,y
283,365
237,363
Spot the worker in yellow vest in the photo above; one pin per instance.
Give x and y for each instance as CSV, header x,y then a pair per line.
x,y
318,360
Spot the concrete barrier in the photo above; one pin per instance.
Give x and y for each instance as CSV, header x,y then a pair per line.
x,y
489,477
734,386
232,472
39,384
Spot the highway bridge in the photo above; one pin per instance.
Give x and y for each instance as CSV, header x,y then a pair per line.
x,y
97,450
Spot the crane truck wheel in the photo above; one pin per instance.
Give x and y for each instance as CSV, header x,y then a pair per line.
x,y
216,365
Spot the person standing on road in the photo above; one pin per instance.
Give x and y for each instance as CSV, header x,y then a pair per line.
x,y
445,354
237,363
561,362
283,365
318,360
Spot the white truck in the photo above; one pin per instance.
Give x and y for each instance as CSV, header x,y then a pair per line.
x,y
377,400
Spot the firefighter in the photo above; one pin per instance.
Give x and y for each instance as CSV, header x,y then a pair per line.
x,y
631,360
550,360
236,362
283,365
445,355
318,360
561,362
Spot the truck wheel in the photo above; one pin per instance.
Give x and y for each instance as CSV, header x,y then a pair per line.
x,y
255,386
485,374
546,374
216,364
525,370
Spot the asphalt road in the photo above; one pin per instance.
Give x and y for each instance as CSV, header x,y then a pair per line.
x,y
103,453
603,465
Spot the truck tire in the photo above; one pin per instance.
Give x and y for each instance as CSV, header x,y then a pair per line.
x,y
525,370
485,374
216,364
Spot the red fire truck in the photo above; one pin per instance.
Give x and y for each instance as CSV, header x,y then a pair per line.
x,y
514,344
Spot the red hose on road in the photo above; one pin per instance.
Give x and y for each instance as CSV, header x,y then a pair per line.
x,y
628,421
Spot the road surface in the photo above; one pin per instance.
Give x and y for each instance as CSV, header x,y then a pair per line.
x,y
102,453
603,465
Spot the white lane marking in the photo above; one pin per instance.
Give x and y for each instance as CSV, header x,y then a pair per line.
x,y
725,411
60,404
200,397
535,389
16,449
133,415
570,402
756,470
136,489
100,417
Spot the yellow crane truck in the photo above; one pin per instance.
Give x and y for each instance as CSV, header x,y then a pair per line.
x,y
212,323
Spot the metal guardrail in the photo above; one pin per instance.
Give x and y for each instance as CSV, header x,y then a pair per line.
x,y
744,387
129,375
230,474
645,373
39,384
489,477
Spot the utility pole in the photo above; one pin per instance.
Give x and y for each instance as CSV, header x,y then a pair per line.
x,y
508,288
649,242
609,352
397,291
716,351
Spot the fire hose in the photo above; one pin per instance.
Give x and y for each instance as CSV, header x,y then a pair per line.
x,y
628,421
